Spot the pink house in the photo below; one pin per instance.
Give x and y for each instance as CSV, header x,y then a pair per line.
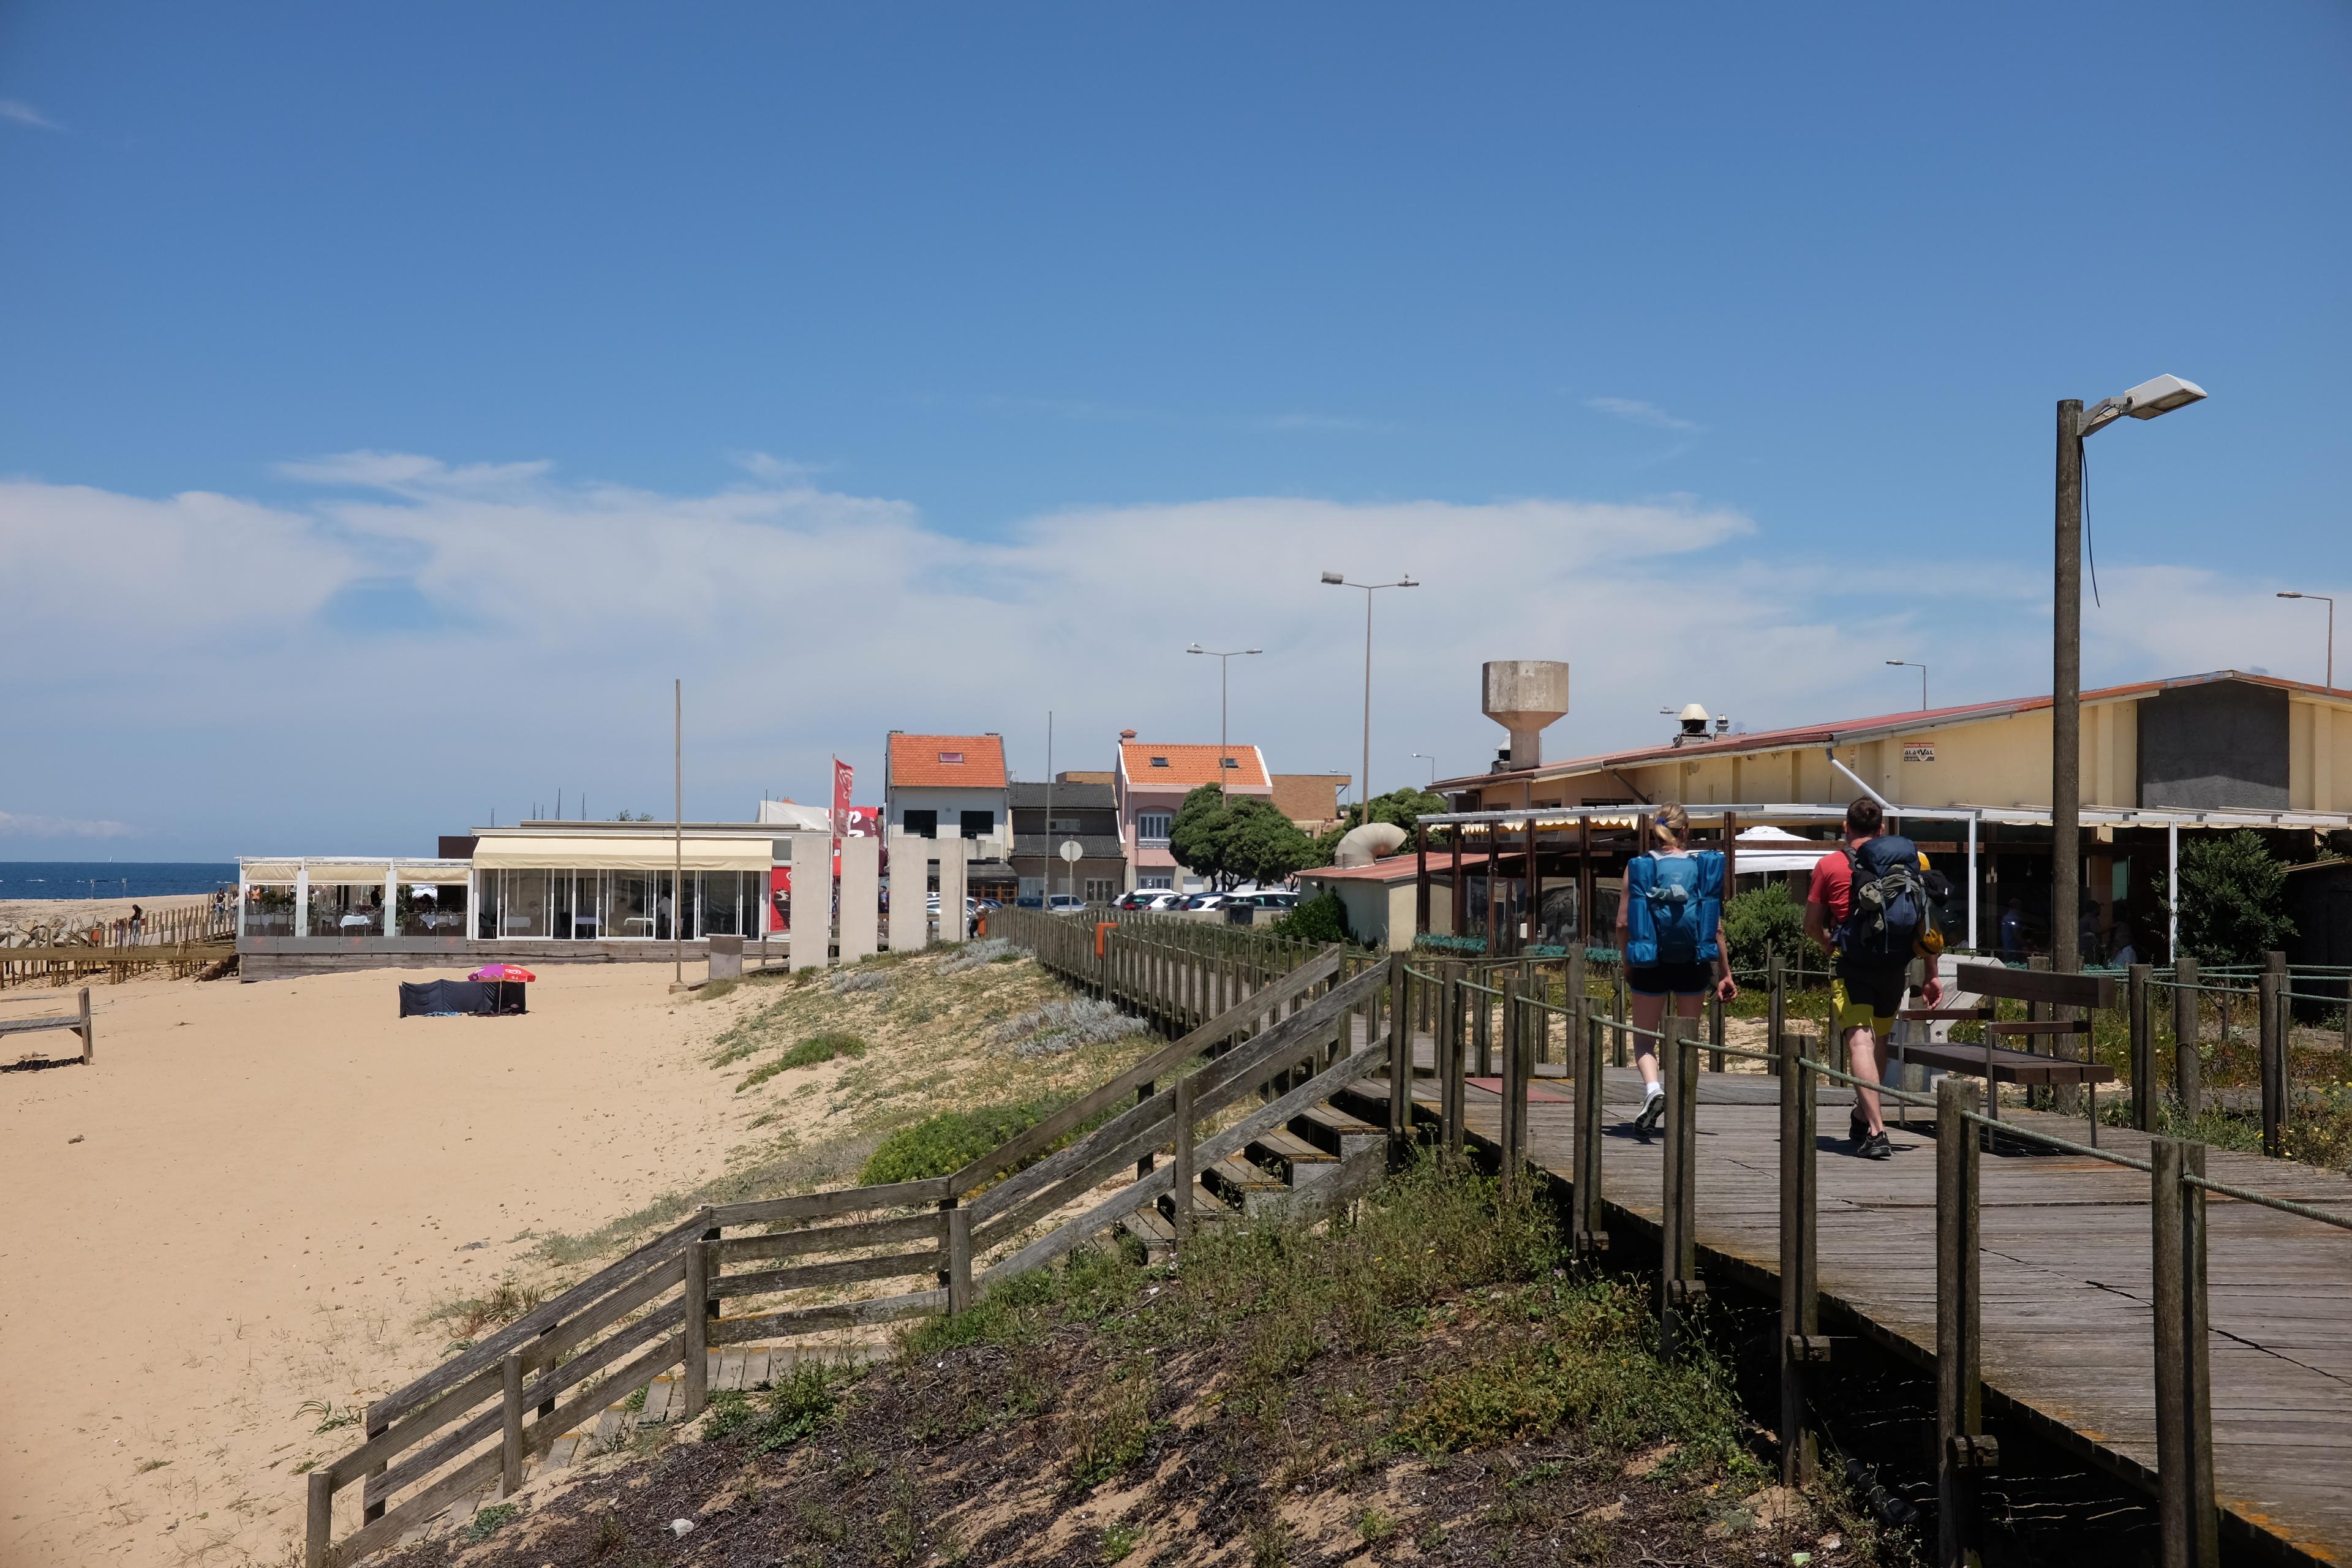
x,y
1152,782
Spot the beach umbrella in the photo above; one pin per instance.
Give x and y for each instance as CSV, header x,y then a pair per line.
x,y
502,972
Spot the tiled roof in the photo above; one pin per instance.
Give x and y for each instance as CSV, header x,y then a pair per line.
x,y
1151,765
1395,868
946,761
1848,731
1308,797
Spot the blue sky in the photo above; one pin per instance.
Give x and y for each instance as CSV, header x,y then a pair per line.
x,y
937,367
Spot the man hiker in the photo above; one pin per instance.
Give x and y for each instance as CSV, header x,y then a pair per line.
x,y
1868,908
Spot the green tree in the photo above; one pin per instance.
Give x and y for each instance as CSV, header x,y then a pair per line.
x,y
1230,840
2232,898
1404,807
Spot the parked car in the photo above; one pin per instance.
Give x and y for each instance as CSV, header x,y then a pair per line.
x,y
1206,900
1152,898
1273,899
1065,904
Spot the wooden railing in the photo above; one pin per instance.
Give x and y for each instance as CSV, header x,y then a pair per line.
x,y
182,939
1282,1040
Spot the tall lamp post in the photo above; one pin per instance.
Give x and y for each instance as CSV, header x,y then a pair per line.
x,y
1425,757
1364,784
1907,664
2146,401
2331,631
1221,659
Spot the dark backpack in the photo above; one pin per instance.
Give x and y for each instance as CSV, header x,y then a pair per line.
x,y
1893,905
1675,906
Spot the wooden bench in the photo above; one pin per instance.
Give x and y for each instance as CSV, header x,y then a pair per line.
x,y
78,1022
1998,1064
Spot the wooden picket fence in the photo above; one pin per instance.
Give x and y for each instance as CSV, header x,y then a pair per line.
x,y
182,939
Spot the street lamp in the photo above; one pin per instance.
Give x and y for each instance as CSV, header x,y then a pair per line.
x,y
1221,659
2331,631
1364,784
1907,664
1425,757
2146,401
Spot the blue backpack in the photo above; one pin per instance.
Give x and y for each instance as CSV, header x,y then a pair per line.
x,y
1892,908
1675,906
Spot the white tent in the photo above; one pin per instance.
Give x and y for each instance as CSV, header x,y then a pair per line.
x,y
1764,850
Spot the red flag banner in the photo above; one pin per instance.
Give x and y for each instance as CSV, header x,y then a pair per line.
x,y
842,774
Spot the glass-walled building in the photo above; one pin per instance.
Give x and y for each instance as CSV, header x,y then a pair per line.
x,y
601,882
352,899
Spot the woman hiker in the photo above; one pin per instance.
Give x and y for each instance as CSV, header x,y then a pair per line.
x,y
1670,929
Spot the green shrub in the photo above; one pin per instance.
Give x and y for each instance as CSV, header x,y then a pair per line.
x,y
1320,919
1760,920
943,1144
486,1521
2232,898
792,1409
809,1052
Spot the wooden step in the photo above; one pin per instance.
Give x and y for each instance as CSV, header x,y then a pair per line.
x,y
1298,1161
1234,1178
1335,1131
1206,1206
1152,1228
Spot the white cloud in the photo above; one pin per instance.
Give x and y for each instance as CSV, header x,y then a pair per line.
x,y
421,643
23,114
20,825
1634,411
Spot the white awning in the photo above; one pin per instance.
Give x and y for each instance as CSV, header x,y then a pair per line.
x,y
561,852
272,871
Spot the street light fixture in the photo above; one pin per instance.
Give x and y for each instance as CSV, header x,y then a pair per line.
x,y
1425,757
1221,659
1908,664
2331,631
1364,784
2146,401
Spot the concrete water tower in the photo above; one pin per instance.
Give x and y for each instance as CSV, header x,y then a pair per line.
x,y
1523,695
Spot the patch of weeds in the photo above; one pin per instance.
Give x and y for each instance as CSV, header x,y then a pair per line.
x,y
1375,1526
1107,1434
329,1418
990,950
147,1465
488,1521
811,1052
942,1144
304,1468
636,1401
850,982
713,990
1269,1544
794,1407
471,1315
1118,1541
1059,1028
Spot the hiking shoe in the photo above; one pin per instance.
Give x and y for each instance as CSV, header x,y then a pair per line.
x,y
1876,1147
1652,1111
1857,1131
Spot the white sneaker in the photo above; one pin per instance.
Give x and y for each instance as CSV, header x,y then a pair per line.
x,y
1653,1109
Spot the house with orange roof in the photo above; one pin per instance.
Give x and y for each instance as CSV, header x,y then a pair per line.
x,y
945,786
1154,778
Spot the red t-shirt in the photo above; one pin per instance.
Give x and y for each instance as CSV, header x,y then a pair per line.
x,y
1832,886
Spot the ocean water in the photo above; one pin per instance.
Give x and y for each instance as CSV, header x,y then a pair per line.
x,y
112,878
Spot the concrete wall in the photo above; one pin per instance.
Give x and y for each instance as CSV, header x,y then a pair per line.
x,y
2223,744
911,880
861,896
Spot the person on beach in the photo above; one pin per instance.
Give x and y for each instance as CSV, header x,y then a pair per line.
x,y
1872,939
1670,929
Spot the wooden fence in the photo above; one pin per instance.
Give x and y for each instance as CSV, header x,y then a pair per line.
x,y
182,940
1279,1039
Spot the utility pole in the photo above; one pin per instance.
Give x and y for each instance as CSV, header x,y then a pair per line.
x,y
678,833
2067,702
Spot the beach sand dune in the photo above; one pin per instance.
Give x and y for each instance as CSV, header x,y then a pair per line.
x,y
254,1197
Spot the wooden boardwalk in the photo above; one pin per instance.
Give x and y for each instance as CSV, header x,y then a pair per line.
x,y
2067,1320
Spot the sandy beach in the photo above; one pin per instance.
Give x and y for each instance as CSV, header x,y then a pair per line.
x,y
83,913
247,1203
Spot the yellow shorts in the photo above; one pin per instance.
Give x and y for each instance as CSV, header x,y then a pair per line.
x,y
1867,1001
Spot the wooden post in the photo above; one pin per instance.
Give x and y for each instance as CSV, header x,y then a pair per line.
x,y
1143,1093
376,1425
1401,1019
2189,1522
1420,879
2268,1011
1714,1030
1180,1172
959,1260
2187,1062
1587,1233
1451,1088
318,1525
1776,1004
1961,1452
1678,1286
696,1358
2143,1048
510,1439
1508,1127
1800,1306
88,1050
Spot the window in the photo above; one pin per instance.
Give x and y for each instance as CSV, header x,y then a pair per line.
x,y
922,824
1101,890
1164,882
1230,761
1158,762
979,823
953,758
1152,827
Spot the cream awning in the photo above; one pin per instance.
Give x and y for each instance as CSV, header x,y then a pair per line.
x,y
272,871
526,852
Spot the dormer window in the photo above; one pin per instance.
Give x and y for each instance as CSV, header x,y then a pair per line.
x,y
1231,761
954,757
1158,762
